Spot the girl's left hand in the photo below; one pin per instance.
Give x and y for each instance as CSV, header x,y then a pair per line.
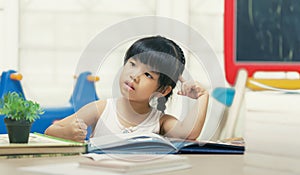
x,y
192,89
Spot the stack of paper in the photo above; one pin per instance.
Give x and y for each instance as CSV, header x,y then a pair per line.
x,y
115,164
135,164
272,133
39,145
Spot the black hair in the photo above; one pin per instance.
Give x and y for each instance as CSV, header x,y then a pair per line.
x,y
164,56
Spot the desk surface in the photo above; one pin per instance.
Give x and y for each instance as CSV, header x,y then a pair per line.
x,y
201,164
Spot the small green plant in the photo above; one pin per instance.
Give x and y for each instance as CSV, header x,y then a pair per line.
x,y
15,107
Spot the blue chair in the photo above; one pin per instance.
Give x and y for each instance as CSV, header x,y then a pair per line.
x,y
84,91
10,82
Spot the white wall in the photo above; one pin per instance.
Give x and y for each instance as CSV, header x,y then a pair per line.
x,y
52,38
10,35
1,31
53,33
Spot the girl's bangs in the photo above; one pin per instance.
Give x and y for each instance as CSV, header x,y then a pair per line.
x,y
161,63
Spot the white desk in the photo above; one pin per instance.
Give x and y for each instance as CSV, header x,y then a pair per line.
x,y
271,133
201,164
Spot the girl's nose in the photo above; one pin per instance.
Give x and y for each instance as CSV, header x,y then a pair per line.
x,y
136,73
134,77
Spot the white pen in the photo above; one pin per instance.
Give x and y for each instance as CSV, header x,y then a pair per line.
x,y
79,122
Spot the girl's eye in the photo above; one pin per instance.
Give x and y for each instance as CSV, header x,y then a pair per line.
x,y
132,63
148,75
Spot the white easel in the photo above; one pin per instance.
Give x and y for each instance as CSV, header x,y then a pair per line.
x,y
234,109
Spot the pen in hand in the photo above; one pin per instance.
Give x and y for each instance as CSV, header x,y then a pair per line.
x,y
80,129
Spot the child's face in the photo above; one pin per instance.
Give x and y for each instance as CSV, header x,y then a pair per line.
x,y
137,81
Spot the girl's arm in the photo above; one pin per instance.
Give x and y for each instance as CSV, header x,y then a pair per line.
x,y
192,124
74,127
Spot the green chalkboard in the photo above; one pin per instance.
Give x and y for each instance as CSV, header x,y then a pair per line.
x,y
268,30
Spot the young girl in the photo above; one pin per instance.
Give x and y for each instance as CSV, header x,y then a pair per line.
x,y
152,66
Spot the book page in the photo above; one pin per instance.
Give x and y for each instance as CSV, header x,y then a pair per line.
x,y
131,142
123,139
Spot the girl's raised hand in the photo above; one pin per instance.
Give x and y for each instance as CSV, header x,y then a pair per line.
x,y
192,89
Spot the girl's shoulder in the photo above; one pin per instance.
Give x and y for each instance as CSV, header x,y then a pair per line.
x,y
98,107
101,104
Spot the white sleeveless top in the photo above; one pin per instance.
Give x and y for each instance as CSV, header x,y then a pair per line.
x,y
109,124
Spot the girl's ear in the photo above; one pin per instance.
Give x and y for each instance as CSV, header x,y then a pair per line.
x,y
166,90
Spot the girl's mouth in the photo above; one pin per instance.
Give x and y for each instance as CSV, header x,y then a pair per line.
x,y
129,85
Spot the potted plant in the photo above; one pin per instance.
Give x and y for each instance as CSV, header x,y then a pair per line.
x,y
19,116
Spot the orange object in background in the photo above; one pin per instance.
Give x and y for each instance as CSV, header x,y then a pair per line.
x,y
92,78
16,76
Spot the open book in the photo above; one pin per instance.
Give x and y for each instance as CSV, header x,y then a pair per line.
x,y
40,144
151,143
